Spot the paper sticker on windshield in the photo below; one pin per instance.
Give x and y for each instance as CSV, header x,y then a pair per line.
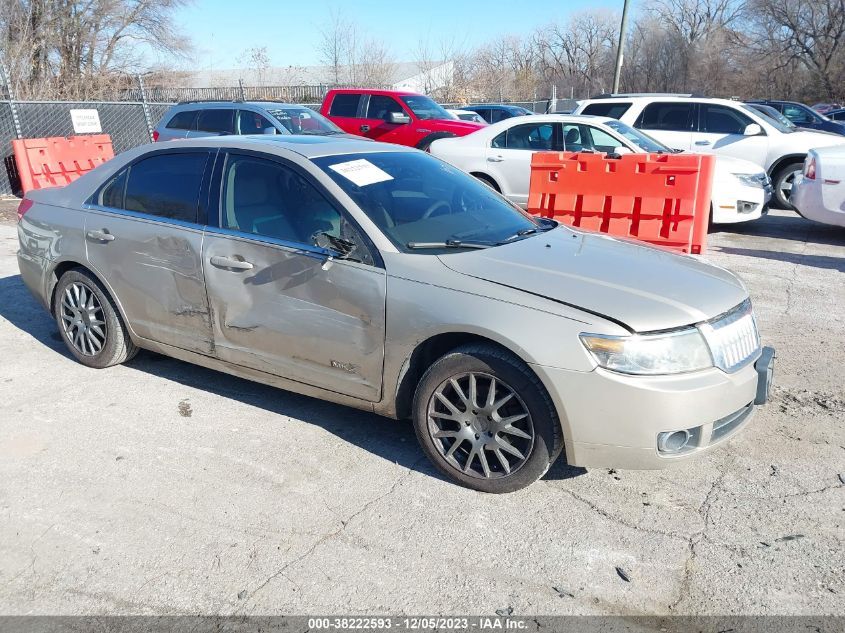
x,y
361,172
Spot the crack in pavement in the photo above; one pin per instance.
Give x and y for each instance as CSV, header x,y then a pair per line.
x,y
343,525
696,538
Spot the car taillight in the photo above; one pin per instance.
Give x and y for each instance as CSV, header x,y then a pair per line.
x,y
155,135
23,207
810,169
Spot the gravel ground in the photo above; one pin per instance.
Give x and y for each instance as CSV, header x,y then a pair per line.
x,y
162,488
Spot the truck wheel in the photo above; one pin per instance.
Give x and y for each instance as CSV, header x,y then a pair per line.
x,y
485,420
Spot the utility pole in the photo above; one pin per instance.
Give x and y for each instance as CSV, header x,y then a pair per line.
x,y
622,28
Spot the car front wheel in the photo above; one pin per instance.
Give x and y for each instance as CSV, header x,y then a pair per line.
x,y
89,322
485,420
783,181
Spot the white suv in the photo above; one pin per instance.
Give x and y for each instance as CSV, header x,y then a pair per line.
x,y
718,126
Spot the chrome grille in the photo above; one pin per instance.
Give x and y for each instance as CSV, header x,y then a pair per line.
x,y
733,338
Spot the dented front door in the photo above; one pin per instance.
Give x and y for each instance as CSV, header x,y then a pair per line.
x,y
288,311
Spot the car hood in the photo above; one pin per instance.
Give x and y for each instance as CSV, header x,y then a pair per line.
x,y
807,139
643,288
731,165
451,125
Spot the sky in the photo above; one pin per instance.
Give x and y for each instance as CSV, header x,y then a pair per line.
x,y
222,30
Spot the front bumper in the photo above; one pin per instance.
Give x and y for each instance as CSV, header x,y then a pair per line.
x,y
739,203
613,420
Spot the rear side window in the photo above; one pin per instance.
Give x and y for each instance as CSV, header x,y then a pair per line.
x,y
345,105
667,116
219,120
610,110
718,119
183,120
166,185
112,194
536,137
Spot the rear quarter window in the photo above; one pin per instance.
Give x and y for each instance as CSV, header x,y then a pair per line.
x,y
345,105
183,120
219,120
610,110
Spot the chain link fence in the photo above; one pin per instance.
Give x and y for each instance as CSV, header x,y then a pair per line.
x,y
130,123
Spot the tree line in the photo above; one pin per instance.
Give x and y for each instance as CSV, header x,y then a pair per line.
x,y
82,49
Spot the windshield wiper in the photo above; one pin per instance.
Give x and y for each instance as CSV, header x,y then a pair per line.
x,y
448,244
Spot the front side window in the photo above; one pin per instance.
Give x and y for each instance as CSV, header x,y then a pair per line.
x,y
641,140
424,108
216,120
423,204
719,119
599,140
345,104
250,122
499,115
166,185
800,115
381,106
672,116
267,198
183,120
538,137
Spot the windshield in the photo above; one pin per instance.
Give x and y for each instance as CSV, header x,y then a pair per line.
x,y
301,120
424,108
770,112
416,199
641,140
780,127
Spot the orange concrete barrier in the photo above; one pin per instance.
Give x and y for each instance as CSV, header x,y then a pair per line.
x,y
56,161
662,199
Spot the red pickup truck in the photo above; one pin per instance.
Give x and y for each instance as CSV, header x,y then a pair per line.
x,y
405,118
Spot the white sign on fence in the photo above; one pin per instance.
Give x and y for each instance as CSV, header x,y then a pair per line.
x,y
86,121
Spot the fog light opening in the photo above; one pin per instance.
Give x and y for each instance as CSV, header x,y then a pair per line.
x,y
673,441
745,207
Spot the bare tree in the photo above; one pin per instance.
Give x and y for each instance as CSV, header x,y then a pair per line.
x,y
256,60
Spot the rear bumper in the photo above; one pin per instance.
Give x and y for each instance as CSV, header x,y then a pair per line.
x,y
808,198
613,420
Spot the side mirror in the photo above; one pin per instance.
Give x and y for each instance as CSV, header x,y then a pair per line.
x,y
269,130
619,151
752,129
400,118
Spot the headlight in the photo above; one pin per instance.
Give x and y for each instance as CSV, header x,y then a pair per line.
x,y
653,354
752,180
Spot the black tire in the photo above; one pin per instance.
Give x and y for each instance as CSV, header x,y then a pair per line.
x,y
488,181
425,143
116,346
511,374
781,175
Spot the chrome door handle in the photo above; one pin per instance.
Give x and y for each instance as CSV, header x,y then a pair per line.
x,y
230,263
100,236
702,142
495,159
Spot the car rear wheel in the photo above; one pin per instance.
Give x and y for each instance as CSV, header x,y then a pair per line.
x,y
488,181
783,181
485,420
89,321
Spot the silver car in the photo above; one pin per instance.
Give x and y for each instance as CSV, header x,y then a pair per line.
x,y
379,277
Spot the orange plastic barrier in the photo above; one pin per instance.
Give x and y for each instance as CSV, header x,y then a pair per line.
x,y
662,199
56,161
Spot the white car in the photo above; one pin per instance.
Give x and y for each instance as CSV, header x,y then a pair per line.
x,y
500,155
819,194
467,115
719,126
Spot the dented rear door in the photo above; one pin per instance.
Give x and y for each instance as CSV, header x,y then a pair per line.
x,y
143,235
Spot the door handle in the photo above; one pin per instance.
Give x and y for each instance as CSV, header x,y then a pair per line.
x,y
364,128
100,235
230,263
702,142
495,159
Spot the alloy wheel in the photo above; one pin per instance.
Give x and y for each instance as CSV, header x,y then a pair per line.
x,y
83,319
786,184
480,425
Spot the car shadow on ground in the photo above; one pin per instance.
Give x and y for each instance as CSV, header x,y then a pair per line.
x,y
786,227
816,261
392,440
